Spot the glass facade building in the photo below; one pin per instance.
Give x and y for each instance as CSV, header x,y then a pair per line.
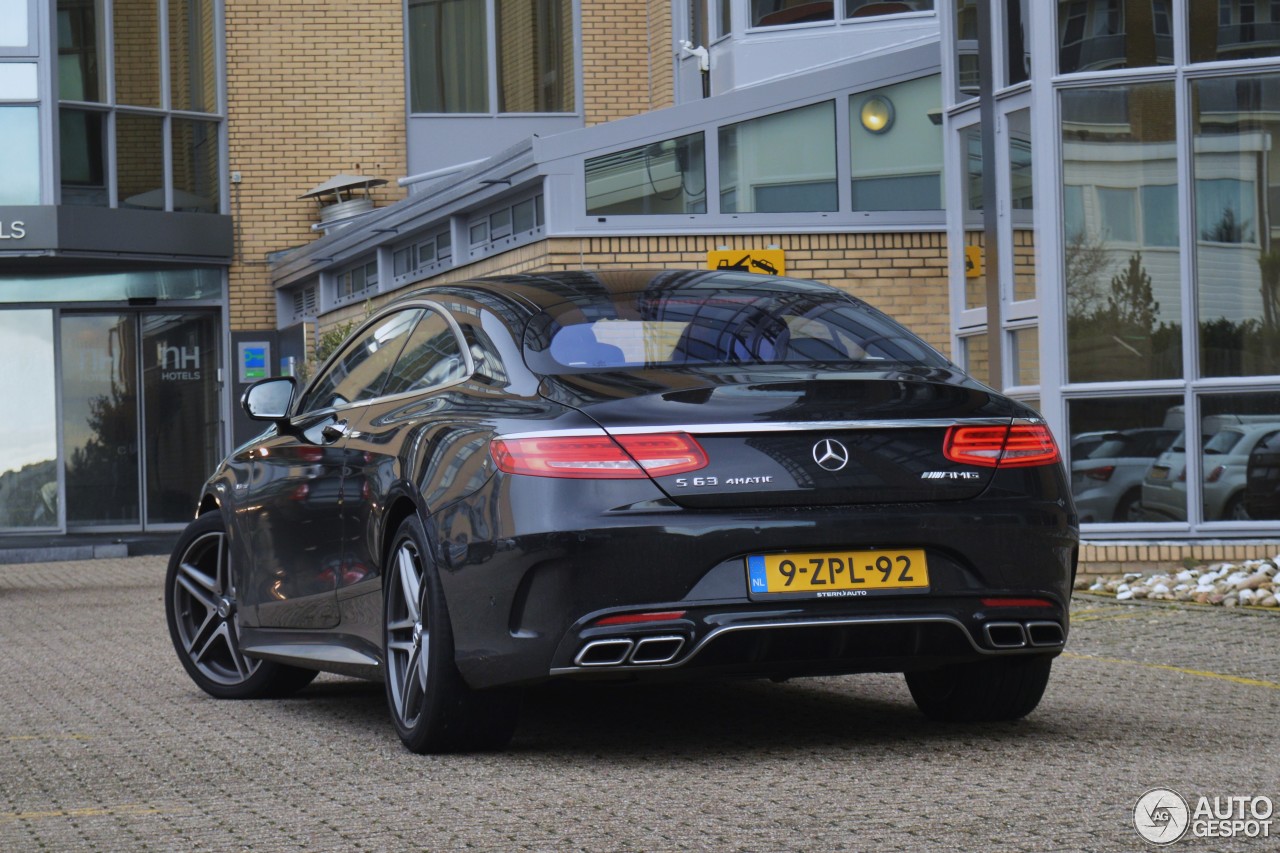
x,y
114,248
1148,130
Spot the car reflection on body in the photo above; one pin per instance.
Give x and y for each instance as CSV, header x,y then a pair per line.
x,y
629,475
1107,484
1225,466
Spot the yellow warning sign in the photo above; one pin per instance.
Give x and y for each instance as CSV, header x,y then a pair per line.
x,y
766,261
972,261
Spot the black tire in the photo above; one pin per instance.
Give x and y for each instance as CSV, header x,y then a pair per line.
x,y
1127,509
985,691
1236,510
200,607
431,705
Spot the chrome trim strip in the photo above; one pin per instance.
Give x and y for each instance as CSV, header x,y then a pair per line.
x,y
798,623
554,433
777,426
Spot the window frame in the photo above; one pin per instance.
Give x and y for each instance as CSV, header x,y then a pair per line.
x,y
108,105
424,305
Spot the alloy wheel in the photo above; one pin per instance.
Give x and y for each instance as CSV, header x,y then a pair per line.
x,y
204,606
408,636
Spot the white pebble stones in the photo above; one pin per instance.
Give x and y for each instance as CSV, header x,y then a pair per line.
x,y
1253,583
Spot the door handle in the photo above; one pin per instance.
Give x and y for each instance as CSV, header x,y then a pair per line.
x,y
333,432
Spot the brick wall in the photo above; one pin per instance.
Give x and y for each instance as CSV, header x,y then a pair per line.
x,y
627,62
1099,559
321,96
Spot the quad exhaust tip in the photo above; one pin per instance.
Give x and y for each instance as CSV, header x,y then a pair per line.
x,y
1016,635
646,651
1005,635
1045,634
653,650
604,652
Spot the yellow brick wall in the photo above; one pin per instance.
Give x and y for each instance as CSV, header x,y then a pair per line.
x,y
662,92
1108,558
626,58
321,96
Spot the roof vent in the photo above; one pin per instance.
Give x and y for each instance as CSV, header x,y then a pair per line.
x,y
343,197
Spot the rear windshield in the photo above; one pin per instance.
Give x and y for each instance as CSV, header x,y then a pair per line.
x,y
1223,442
719,328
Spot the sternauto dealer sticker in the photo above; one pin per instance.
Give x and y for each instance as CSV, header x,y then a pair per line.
x,y
1163,816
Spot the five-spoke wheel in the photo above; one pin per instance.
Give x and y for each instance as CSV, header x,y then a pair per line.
x,y
200,603
431,705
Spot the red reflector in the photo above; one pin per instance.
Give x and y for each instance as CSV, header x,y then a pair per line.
x,y
1016,446
1016,602
1104,473
634,618
599,457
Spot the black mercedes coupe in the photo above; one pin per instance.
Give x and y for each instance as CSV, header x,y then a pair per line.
x,y
628,475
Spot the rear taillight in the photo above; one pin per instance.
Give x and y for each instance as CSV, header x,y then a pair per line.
x,y
600,457
1215,474
1015,446
1104,473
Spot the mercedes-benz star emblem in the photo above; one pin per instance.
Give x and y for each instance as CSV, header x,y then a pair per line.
x,y
830,454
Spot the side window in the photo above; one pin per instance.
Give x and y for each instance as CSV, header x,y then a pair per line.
x,y
362,369
432,357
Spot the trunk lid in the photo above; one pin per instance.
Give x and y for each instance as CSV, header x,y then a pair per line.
x,y
798,439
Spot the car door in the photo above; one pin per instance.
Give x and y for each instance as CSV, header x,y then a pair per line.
x,y
411,417
293,516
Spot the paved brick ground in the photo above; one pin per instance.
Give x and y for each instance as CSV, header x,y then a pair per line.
x,y
105,745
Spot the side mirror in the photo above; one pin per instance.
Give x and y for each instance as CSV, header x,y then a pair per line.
x,y
269,399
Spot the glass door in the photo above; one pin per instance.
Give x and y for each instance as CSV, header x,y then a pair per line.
x,y
100,419
140,419
181,427
29,441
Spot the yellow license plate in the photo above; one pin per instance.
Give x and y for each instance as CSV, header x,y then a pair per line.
x,y
837,573
1159,473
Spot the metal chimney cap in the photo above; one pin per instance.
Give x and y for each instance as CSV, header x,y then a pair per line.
x,y
343,182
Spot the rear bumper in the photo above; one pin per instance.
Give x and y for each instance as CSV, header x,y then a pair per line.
x,y
784,645
524,601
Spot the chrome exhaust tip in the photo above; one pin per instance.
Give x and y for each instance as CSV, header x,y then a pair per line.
x,y
1005,635
1045,634
653,650
604,653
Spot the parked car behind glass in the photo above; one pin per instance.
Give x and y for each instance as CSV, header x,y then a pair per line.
x,y
1225,464
1262,481
1107,484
